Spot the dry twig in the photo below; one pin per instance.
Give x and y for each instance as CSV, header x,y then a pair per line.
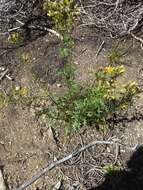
x,y
138,39
116,17
3,74
99,49
70,156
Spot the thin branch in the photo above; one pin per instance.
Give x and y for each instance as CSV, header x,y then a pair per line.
x,y
48,30
70,156
10,30
138,39
99,49
3,74
115,17
34,27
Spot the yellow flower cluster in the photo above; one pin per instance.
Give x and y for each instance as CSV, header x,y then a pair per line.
x,y
13,38
21,91
132,84
114,70
16,94
132,87
25,58
109,69
62,12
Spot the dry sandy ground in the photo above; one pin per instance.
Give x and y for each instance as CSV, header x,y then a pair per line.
x,y
27,145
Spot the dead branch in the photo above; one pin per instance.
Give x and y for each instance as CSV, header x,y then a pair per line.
x,y
66,158
138,39
3,74
115,17
99,49
48,30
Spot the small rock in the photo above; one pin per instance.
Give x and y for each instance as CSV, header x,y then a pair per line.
x,y
108,149
55,158
52,144
57,186
76,63
59,85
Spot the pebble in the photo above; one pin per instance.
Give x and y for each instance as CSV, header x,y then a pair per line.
x,y
59,85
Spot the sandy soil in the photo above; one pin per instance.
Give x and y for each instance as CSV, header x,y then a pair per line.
x,y
27,145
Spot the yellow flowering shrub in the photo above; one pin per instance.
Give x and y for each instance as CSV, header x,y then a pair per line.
x,y
114,70
16,95
62,12
94,104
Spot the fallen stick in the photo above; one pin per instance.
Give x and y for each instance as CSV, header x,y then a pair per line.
x,y
75,153
48,30
3,74
99,49
8,77
138,39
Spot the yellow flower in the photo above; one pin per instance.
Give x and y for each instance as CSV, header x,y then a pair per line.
x,y
13,38
25,57
23,91
121,69
132,84
109,69
124,106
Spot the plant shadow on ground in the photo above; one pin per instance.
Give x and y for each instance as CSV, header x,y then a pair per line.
x,y
128,179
